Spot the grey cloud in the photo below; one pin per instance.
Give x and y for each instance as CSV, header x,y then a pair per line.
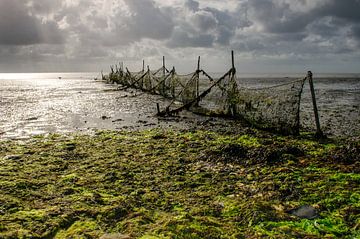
x,y
106,29
182,38
204,20
326,26
192,5
356,31
278,18
18,27
147,21
348,9
44,6
206,27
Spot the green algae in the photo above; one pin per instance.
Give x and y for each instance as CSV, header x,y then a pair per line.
x,y
177,184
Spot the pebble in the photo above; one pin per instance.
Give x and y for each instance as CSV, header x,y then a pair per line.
x,y
12,157
305,211
115,236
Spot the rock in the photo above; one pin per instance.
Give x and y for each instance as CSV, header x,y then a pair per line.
x,y
70,146
32,118
115,236
117,120
305,211
12,157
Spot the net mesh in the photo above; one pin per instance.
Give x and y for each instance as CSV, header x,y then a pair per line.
x,y
276,107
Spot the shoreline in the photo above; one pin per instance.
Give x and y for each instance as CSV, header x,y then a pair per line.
x,y
162,183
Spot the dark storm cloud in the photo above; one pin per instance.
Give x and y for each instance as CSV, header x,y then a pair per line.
x,y
182,38
19,27
348,9
205,27
278,18
147,20
192,5
107,29
325,18
283,27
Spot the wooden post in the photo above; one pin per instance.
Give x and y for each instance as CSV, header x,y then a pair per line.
x,y
162,86
232,60
198,78
319,133
172,82
163,65
158,108
143,68
233,72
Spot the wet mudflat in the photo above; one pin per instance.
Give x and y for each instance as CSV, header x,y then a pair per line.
x,y
42,103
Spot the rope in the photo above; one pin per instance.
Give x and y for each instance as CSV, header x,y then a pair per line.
x,y
153,88
197,99
275,86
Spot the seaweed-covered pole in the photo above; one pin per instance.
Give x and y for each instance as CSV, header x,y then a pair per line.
x,y
232,60
233,88
164,66
319,133
197,81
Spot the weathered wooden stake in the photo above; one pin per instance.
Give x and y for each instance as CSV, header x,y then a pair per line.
x,y
163,65
319,133
198,79
232,60
158,108
143,66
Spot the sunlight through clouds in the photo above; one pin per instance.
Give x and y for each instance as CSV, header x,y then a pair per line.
x,y
105,31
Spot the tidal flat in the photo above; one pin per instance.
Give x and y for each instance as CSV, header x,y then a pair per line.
x,y
179,184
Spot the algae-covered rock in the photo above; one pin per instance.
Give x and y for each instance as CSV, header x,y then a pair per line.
x,y
115,236
305,211
12,157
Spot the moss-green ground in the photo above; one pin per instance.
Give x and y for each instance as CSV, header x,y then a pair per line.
x,y
177,184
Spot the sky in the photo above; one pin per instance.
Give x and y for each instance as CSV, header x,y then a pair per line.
x,y
267,36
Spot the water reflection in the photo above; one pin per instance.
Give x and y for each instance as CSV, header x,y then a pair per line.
x,y
41,103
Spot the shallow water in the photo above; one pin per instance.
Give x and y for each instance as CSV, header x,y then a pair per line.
x,y
33,104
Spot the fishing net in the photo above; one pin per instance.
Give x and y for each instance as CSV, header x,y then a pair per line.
x,y
276,108
220,99
184,87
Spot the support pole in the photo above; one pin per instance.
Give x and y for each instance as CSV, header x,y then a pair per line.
x,y
162,84
232,108
172,84
158,108
198,78
163,65
143,68
319,133
232,60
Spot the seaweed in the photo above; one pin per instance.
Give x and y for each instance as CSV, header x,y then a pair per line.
x,y
178,184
